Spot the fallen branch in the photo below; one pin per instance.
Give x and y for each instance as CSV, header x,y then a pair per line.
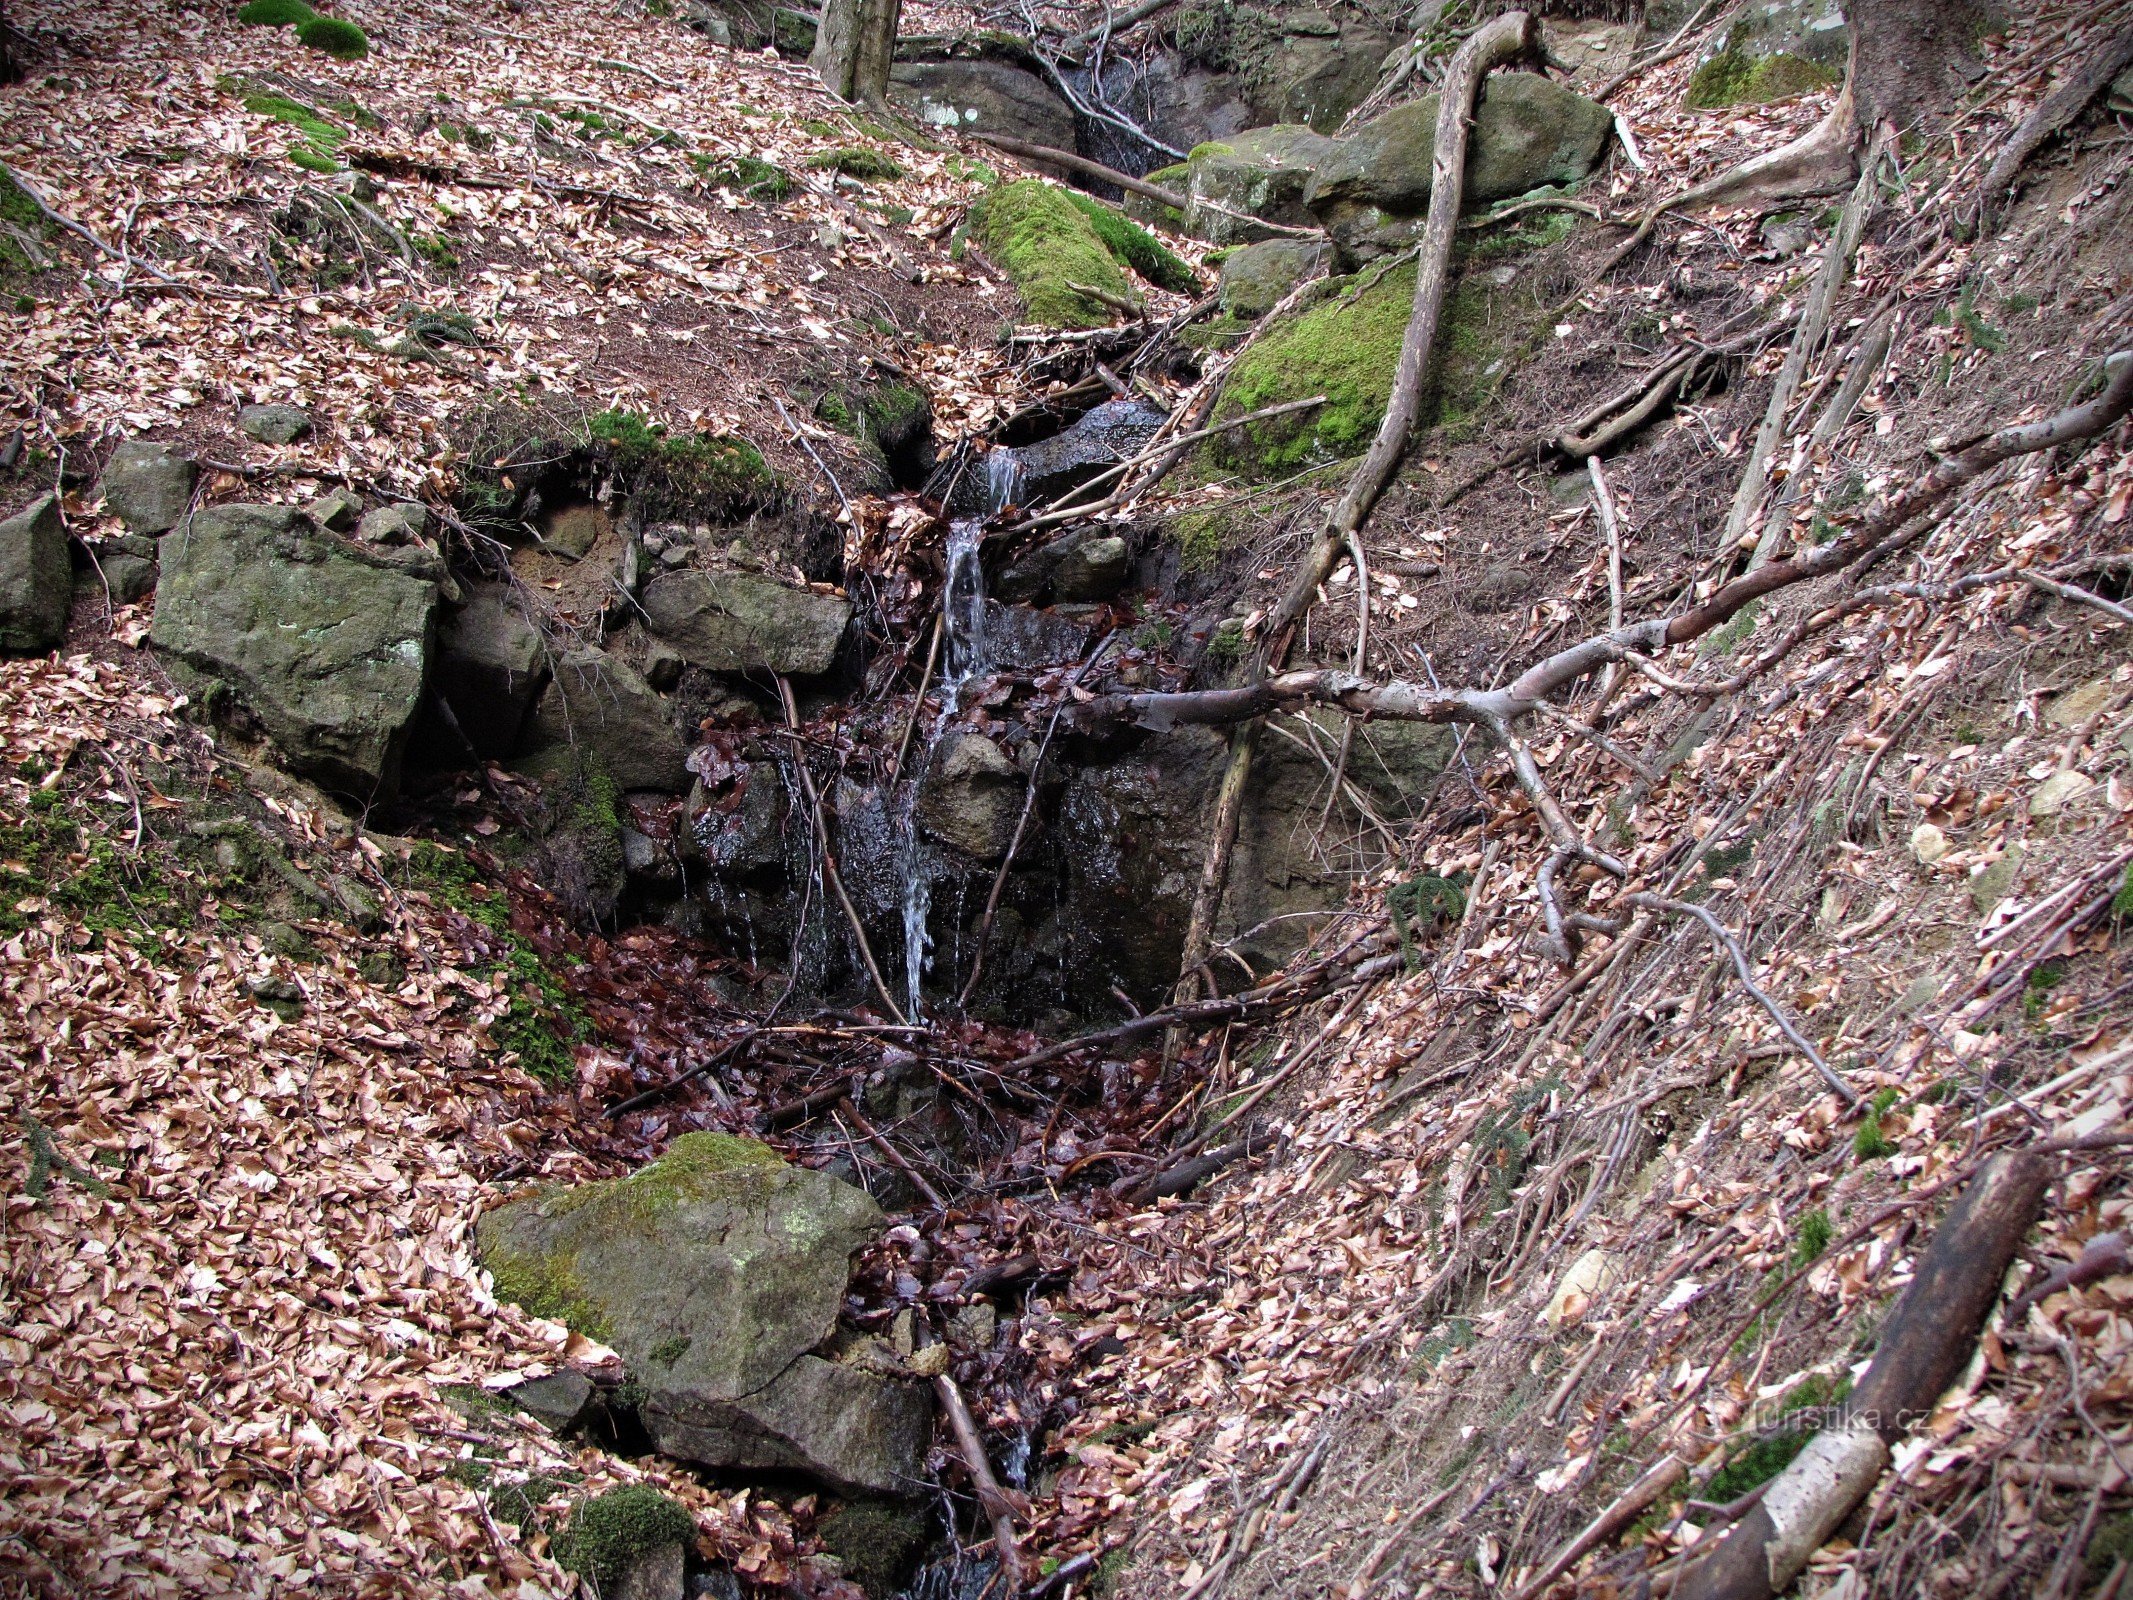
x,y
1922,1350
1068,161
2052,113
1661,1476
1731,946
60,220
896,1158
999,1509
1183,1176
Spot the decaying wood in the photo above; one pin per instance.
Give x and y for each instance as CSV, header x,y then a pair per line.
x,y
998,1508
1923,1349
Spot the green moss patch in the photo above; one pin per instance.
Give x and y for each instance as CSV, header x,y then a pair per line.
x,y
19,211
1152,260
1345,346
543,1022
857,161
749,176
878,1543
340,39
1786,1436
1051,252
607,1534
275,14
322,136
714,476
695,1165
1735,78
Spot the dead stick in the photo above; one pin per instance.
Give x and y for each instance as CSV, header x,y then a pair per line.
x,y
999,1509
897,1159
1922,1350
1657,1479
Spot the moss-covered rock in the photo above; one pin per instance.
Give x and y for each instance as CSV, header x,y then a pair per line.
x,y
1345,346
878,1541
1176,178
274,13
1151,260
1255,278
1372,191
611,1533
1052,253
716,1271
1262,173
335,36
36,583
1772,50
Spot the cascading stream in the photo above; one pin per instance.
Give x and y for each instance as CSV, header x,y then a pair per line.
x,y
963,657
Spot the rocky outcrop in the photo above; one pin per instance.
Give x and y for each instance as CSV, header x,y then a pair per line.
x,y
731,620
148,486
491,668
1133,830
718,1272
36,584
600,706
984,97
1372,189
970,796
324,644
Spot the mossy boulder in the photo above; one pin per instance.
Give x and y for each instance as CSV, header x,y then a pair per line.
x,y
728,619
1345,345
878,1541
1263,173
334,36
36,583
1051,252
1372,191
716,1271
1773,50
612,1538
1177,178
326,644
1256,277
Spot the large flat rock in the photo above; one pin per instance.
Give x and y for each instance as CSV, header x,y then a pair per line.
x,y
730,620
326,645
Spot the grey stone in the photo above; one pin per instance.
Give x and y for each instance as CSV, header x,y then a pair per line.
x,y
1255,277
573,530
645,858
128,577
984,97
1095,569
337,510
394,524
274,424
662,665
601,705
1318,70
36,581
490,670
326,647
716,1272
147,486
559,1401
655,1574
731,620
1018,636
1133,833
971,796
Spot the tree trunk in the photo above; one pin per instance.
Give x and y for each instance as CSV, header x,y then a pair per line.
x,y
1911,55
855,46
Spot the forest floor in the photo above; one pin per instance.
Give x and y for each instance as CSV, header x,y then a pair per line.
x,y
1514,1236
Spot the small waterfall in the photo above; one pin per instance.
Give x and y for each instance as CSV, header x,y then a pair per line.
x,y
963,658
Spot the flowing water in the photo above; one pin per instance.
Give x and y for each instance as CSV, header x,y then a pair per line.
x,y
963,657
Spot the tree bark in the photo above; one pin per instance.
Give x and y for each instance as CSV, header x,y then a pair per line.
x,y
854,47
1910,56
